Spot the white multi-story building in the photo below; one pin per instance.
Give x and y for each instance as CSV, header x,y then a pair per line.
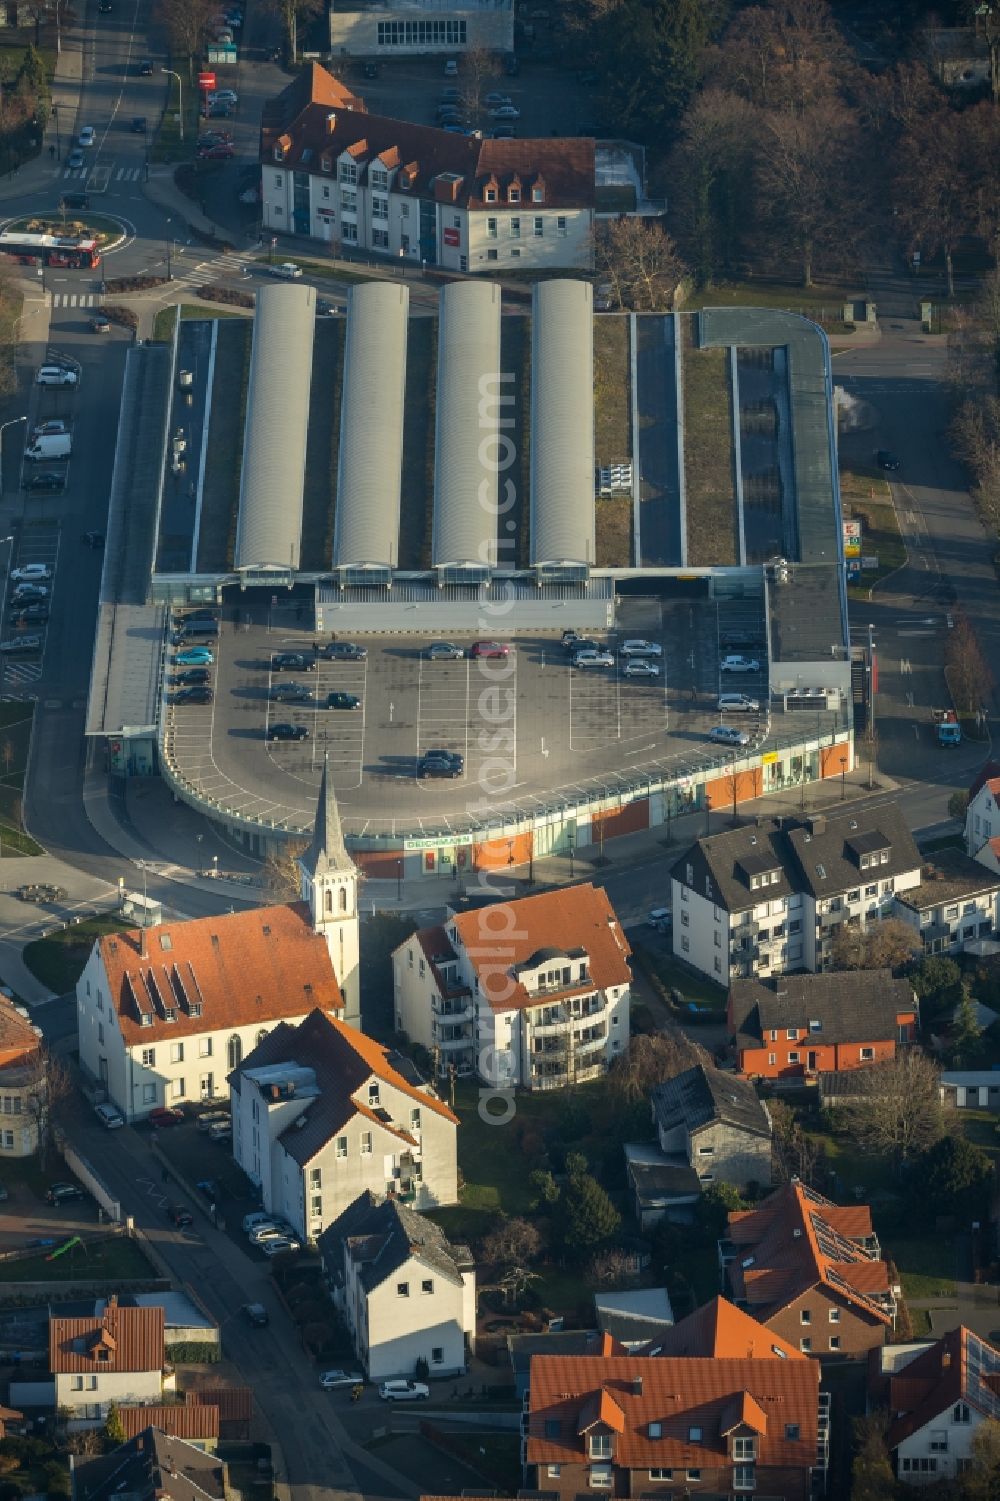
x,y
938,1397
532,993
332,172
322,1113
164,1014
766,898
23,1084
954,908
982,818
420,28
405,1292
113,1356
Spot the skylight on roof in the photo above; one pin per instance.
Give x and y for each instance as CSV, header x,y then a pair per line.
x,y
821,872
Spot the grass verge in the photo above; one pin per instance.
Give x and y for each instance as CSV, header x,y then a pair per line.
x,y
612,390
513,546
673,976
926,1265
712,527
825,305
163,322
15,742
417,483
613,531
220,502
320,489
867,498
58,961
116,1258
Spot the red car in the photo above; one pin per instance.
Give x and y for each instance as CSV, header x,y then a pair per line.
x,y
222,152
166,1115
489,649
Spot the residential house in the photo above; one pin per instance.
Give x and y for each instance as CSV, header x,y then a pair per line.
x,y
322,1114
533,992
330,171
714,1426
660,1187
937,1401
718,1330
404,1291
767,898
638,1317
958,56
715,1123
116,1355
954,908
23,1083
798,1026
152,1466
396,30
982,817
197,1425
522,1347
810,1271
164,1014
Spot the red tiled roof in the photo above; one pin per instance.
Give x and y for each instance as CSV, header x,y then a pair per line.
x,y
987,776
193,1421
937,1379
503,938
262,965
308,126
234,1405
18,1040
795,1240
677,1393
721,1331
123,1339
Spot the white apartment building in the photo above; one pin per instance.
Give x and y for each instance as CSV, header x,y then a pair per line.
x,y
115,1356
405,1292
332,172
938,1397
322,1114
532,993
418,28
982,820
767,897
23,1083
165,1014
954,908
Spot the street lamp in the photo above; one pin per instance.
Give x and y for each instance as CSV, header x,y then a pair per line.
x,y
180,99
3,428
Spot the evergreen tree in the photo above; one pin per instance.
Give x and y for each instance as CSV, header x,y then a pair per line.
x,y
588,1215
114,1431
966,1033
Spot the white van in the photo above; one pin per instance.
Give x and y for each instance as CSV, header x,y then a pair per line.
x,y
49,446
56,375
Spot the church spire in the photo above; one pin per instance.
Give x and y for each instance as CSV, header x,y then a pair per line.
x,y
327,852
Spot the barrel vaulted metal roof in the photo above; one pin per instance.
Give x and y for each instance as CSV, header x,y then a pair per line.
x,y
274,445
562,423
470,409
371,427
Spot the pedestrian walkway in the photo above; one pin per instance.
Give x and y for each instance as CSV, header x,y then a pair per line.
x,y
75,299
207,272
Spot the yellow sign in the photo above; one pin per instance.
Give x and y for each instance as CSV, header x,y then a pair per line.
x,y
768,757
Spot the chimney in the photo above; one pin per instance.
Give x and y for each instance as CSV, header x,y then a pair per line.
x,y
637,1386
817,824
331,122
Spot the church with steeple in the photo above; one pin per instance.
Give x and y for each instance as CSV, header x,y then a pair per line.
x,y
329,883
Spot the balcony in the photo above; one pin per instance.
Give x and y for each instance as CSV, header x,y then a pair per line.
x,y
590,1044
456,1041
558,1017
454,1010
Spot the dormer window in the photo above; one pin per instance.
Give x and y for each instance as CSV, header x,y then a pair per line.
x,y
325,164
538,194
490,195
279,153
600,1446
513,194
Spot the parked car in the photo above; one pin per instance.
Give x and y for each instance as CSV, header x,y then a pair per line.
x,y
194,656
886,459
74,160
145,68
197,693
340,701
100,325
727,734
489,649
331,1380
344,651
574,643
637,667
741,636
738,703
451,68
224,96
221,1131
504,133
288,270
404,1391
494,100
56,375
287,732
194,677
280,1245
54,425
212,1118
31,573
290,693
369,70
258,1216
30,615
41,891
292,661
209,1189
434,767
599,658
165,1115
47,480
638,648
87,136
222,152
443,651
109,1116
739,664
179,1216
138,125
256,1315
451,758
505,112
29,594
63,1193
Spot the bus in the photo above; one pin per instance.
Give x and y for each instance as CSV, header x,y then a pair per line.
x,y
50,250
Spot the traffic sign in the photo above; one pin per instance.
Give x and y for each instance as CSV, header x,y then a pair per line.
x,y
206,80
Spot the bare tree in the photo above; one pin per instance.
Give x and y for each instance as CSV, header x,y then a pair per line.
x,y
281,872
806,173
477,67
611,1268
639,261
291,14
936,204
793,1153
897,1111
186,24
881,945
511,1247
712,168
969,675
652,1057
47,1099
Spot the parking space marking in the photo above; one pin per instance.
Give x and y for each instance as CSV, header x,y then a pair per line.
x,y
594,707
443,707
36,545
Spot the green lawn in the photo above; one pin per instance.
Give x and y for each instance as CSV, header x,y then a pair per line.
x,y
163,322
58,961
708,453
217,537
15,741
672,975
612,387
114,1258
823,304
867,498
926,1264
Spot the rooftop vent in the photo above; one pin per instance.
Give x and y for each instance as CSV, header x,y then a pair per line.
x,y
637,1386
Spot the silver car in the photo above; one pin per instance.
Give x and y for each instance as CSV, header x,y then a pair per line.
x,y
444,651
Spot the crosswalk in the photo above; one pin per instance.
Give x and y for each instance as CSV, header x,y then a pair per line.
x,y
117,174
207,272
75,299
